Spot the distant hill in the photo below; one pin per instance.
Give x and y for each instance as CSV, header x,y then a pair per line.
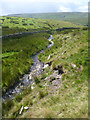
x,y
74,17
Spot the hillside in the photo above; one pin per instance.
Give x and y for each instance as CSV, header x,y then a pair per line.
x,y
61,91
74,17
12,25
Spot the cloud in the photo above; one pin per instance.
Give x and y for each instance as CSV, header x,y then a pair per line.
x,y
42,6
83,8
73,6
64,9
58,1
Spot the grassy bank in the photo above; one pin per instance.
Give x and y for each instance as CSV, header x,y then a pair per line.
x,y
17,55
70,99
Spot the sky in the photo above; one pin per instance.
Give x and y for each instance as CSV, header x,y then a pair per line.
x,y
42,6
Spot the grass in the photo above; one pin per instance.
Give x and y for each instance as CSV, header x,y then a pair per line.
x,y
74,17
17,56
12,25
71,99
4,55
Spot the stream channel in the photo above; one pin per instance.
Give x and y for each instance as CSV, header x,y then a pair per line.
x,y
27,80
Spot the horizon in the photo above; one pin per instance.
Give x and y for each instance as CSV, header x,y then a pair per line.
x,y
41,13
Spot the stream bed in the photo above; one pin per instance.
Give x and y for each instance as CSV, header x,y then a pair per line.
x,y
27,80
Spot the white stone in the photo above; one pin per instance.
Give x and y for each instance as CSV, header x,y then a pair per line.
x,y
29,76
45,66
26,108
21,110
48,57
32,87
73,65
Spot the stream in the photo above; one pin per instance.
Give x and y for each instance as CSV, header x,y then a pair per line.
x,y
27,80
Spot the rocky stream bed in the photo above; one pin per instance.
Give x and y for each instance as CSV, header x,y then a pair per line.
x,y
27,80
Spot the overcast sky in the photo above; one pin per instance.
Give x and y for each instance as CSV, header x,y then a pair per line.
x,y
42,6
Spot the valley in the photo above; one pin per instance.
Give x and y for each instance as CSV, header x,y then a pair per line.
x,y
54,62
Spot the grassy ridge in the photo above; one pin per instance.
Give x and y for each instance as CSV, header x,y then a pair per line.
x,y
74,17
16,56
12,25
70,100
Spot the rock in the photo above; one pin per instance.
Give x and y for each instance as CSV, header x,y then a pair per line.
x,y
32,87
64,52
48,57
9,95
45,66
21,110
58,76
29,77
73,65
67,37
60,69
50,63
38,67
26,108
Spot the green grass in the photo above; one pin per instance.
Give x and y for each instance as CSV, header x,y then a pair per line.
x,y
17,56
4,55
74,17
12,25
70,100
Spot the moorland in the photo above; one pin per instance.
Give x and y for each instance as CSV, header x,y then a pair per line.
x,y
61,90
